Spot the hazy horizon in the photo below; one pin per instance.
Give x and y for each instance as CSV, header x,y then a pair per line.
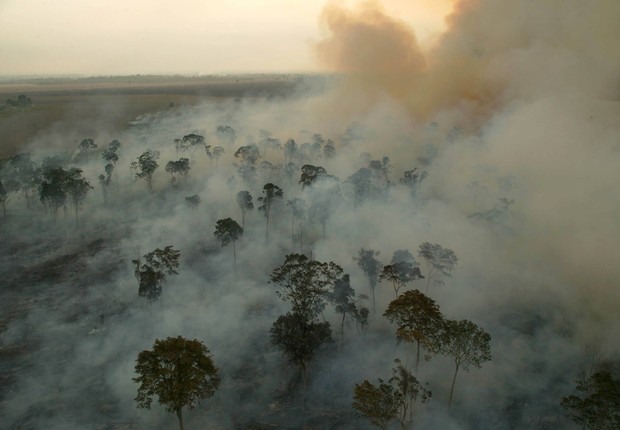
x,y
213,37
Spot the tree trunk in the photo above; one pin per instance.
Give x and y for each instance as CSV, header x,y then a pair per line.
x,y
234,258
267,230
452,388
342,330
243,218
77,223
180,417
417,357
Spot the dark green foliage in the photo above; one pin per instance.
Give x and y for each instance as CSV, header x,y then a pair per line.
x,y
151,273
597,406
110,154
248,154
342,297
380,404
400,274
180,167
146,166
299,337
467,345
179,371
418,320
310,174
244,201
22,101
305,283
386,402
271,193
371,267
87,144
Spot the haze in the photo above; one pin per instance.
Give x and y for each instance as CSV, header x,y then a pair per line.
x,y
188,37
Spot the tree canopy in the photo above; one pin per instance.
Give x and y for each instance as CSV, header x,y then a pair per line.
x,y
179,371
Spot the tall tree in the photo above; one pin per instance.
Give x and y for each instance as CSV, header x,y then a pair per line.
x,y
179,371
244,201
271,193
400,274
310,174
76,188
412,179
437,260
298,212
226,134
305,283
371,267
146,166
227,230
342,297
386,402
151,273
418,320
467,345
597,406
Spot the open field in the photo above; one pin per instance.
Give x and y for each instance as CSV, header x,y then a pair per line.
x,y
87,106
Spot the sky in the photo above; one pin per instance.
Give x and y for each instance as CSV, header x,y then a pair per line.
x,y
107,37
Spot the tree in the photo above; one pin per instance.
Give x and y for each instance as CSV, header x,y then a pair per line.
x,y
193,141
87,144
381,168
7,188
179,371
311,174
329,150
227,230
110,154
26,173
467,345
370,266
437,260
412,180
271,193
298,211
146,166
380,404
179,167
418,320
53,191
244,201
410,389
217,153
400,274
361,186
151,274
342,297
76,188
192,201
290,150
299,338
598,405
226,134
305,283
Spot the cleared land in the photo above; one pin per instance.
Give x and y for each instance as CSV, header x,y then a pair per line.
x,y
86,106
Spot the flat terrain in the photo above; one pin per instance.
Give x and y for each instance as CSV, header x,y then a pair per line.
x,y
87,106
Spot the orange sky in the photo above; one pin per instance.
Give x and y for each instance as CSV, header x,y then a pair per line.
x,y
186,36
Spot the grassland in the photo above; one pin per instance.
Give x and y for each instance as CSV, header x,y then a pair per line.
x,y
87,106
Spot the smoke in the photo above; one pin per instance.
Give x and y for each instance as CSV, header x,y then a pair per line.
x,y
515,101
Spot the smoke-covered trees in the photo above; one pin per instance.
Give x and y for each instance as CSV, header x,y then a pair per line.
x,y
386,402
298,212
226,134
146,166
342,297
400,274
228,230
310,174
179,371
467,345
412,180
299,338
418,320
244,201
437,259
271,193
151,273
597,406
180,167
371,267
305,283
77,188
